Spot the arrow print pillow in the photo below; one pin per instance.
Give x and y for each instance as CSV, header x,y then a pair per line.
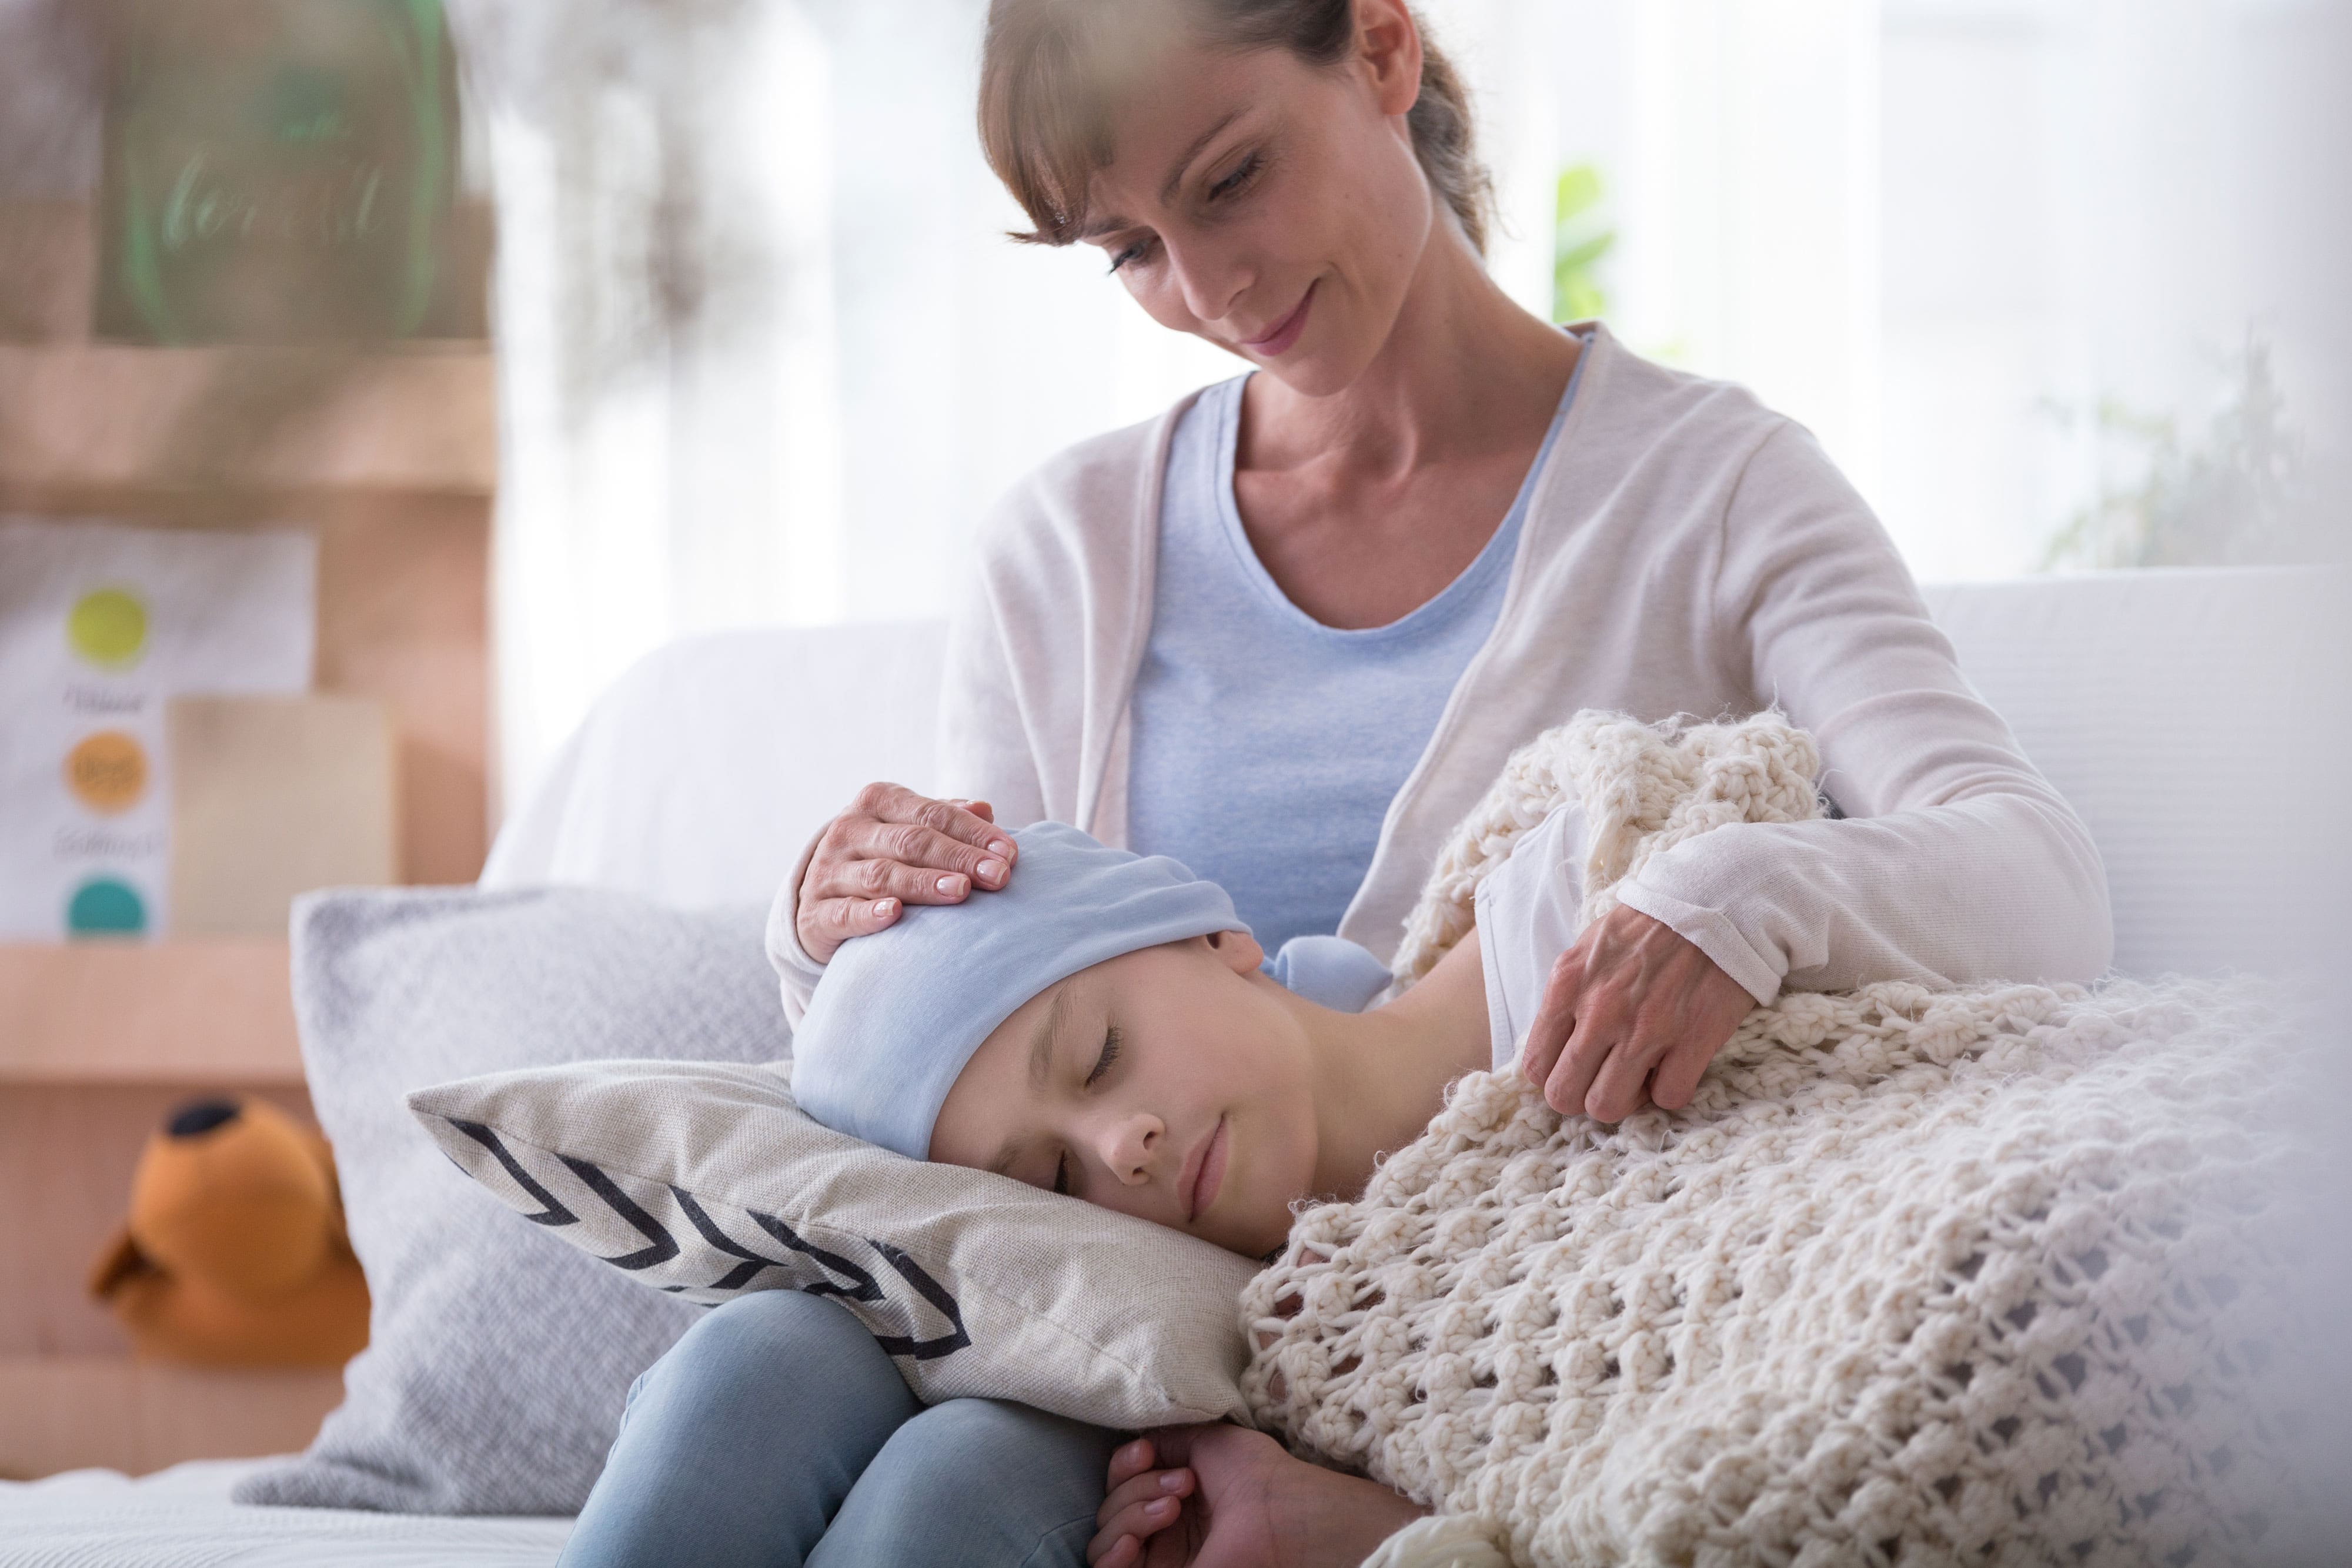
x,y
704,1180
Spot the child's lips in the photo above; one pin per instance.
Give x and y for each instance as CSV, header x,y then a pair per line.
x,y
1204,1172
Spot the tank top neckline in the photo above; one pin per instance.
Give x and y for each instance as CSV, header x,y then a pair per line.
x,y
1432,613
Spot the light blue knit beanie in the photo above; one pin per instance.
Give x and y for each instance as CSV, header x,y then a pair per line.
x,y
899,1013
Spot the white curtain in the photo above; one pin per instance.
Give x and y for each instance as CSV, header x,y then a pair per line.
x,y
663,306
2092,208
767,355
1972,244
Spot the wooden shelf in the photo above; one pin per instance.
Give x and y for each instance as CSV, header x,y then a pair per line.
x,y
67,1412
193,1013
48,270
84,418
388,454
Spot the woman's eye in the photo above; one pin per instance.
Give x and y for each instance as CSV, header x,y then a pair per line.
x,y
1110,1048
1062,1174
1132,253
1236,180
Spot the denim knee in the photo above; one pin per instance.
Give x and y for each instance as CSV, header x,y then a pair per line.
x,y
803,1362
752,1332
977,1482
738,1445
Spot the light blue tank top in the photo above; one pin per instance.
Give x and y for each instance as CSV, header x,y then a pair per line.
x,y
1266,745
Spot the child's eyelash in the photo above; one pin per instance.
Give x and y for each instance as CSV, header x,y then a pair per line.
x,y
1103,1064
1109,1055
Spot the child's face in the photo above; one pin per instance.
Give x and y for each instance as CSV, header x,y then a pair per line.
x,y
1171,1084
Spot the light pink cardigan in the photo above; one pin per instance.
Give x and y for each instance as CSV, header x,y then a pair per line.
x,y
1685,550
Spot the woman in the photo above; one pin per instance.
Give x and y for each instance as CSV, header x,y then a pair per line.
x,y
1287,633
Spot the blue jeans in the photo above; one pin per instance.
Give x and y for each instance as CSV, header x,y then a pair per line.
x,y
776,1433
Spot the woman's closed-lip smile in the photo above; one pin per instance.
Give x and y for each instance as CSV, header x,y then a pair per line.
x,y
1285,331
1204,1172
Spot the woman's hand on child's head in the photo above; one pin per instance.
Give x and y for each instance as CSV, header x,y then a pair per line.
x,y
1221,1496
1631,1015
893,848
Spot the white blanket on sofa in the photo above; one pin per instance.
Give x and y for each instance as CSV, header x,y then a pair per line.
x,y
1917,1276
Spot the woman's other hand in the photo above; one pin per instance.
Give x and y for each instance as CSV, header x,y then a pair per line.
x,y
1632,1014
1221,1496
890,849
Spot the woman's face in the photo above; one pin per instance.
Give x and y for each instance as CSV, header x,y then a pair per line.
x,y
1271,206
1171,1084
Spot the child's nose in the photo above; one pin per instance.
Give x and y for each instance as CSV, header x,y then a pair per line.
x,y
1133,1143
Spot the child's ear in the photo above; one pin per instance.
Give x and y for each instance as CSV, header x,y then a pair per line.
x,y
1239,949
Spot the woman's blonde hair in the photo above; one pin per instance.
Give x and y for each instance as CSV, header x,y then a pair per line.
x,y
1052,71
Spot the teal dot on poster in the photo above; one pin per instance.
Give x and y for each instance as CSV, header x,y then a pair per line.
x,y
103,906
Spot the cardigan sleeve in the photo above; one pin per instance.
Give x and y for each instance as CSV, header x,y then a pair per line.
x,y
982,756
984,744
796,973
1955,860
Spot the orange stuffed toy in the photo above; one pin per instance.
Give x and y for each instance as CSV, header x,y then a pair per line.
x,y
235,1254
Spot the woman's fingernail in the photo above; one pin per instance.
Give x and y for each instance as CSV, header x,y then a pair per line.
x,y
882,907
1001,847
1160,1507
1174,1481
951,885
990,870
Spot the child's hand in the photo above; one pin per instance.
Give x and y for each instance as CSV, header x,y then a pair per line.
x,y
1632,1013
1234,1498
1140,1503
893,848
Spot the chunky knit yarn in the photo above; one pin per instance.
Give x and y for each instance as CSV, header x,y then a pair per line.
x,y
1918,1277
1644,788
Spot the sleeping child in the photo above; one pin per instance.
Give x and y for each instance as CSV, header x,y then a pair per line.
x,y
1106,1026
1880,1190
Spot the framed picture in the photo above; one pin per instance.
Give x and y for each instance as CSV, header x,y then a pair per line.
x,y
283,170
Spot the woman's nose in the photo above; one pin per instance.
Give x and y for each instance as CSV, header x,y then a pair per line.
x,y
1210,283
1129,1144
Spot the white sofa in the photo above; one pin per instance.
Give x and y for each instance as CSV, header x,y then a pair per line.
x,y
2158,701
2174,709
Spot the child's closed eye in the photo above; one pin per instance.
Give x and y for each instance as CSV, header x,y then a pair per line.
x,y
1104,1062
1109,1057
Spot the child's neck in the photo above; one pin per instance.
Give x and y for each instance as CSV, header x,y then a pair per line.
x,y
1383,1074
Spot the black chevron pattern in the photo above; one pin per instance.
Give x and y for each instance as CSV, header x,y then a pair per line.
x,y
864,1289
743,1273
660,1249
549,1211
675,1241
932,1291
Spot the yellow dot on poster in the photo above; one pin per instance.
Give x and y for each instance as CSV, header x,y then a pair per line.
x,y
109,628
107,771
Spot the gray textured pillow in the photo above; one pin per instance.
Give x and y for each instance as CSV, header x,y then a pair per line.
x,y
703,1179
497,1357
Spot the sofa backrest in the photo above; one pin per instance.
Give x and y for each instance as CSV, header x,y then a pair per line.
x,y
698,779
2168,705
2180,711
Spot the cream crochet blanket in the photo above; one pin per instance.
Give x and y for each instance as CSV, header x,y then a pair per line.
x,y
1919,1276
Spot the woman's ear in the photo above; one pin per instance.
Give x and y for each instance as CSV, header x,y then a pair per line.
x,y
1389,47
1239,949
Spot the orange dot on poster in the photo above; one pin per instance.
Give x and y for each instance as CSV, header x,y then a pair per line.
x,y
107,771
